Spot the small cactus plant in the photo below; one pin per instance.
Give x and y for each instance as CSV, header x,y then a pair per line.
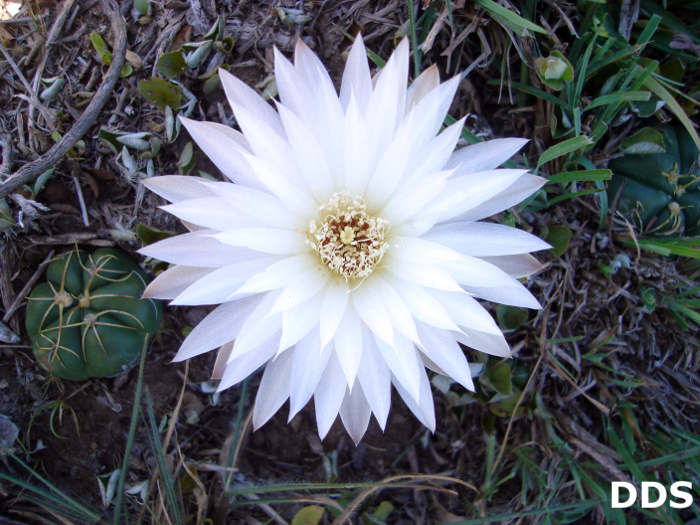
x,y
88,319
661,191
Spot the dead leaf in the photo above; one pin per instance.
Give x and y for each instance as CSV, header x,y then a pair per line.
x,y
183,36
134,60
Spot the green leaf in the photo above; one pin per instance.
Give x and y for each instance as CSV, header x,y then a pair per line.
x,y
507,16
558,237
187,159
141,6
150,235
580,176
511,317
172,64
563,148
225,44
653,85
6,220
196,52
647,295
310,515
41,180
217,30
109,138
615,98
383,510
126,71
99,45
645,141
498,378
161,93
53,87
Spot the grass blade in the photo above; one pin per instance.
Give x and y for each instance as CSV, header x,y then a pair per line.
x,y
132,434
160,460
563,148
516,20
580,176
677,110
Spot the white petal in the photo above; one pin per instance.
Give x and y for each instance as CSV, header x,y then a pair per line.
x,y
430,365
404,362
401,56
485,239
300,320
423,251
217,328
221,360
266,240
348,344
308,155
392,166
356,77
240,95
381,112
329,395
442,349
219,285
294,90
357,168
429,113
431,276
233,134
492,344
334,304
510,196
465,193
464,310
375,377
296,198
306,285
401,318
371,310
484,156
327,126
278,274
517,266
264,207
421,86
223,151
421,304
433,157
355,412
308,365
409,201
424,409
258,327
489,282
173,281
273,390
197,249
211,213
243,366
313,71
176,188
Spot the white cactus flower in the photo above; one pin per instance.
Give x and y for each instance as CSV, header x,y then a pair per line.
x,y
345,253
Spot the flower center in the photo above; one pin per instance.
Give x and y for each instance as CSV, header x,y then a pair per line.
x,y
348,240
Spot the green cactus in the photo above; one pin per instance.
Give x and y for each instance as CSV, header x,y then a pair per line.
x,y
661,192
88,319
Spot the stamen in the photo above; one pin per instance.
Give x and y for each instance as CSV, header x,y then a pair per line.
x,y
348,240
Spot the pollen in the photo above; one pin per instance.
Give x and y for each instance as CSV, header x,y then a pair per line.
x,y
349,240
